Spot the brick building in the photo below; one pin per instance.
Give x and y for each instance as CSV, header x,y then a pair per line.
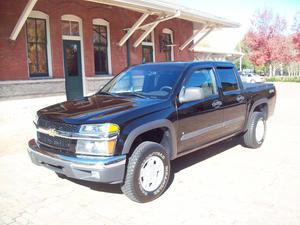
x,y
50,46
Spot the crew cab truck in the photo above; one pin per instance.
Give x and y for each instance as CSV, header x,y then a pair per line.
x,y
148,115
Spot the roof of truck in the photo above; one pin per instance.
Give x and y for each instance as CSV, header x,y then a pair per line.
x,y
193,63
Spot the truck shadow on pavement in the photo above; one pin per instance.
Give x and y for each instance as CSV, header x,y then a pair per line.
x,y
176,165
111,188
201,155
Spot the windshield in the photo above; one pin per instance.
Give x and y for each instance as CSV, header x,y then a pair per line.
x,y
148,80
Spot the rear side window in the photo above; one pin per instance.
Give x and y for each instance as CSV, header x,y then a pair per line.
x,y
228,79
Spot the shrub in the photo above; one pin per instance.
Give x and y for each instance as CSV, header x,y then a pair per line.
x,y
283,79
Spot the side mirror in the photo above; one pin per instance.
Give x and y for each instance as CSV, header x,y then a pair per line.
x,y
191,94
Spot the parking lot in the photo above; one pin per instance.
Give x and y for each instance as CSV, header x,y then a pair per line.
x,y
223,184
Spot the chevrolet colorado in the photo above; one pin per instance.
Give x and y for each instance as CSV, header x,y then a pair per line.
x,y
148,115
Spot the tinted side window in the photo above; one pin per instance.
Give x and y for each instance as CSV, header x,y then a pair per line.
x,y
228,79
205,79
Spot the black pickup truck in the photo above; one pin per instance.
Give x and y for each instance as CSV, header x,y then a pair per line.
x,y
145,117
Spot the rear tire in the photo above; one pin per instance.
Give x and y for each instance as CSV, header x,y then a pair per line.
x,y
148,172
256,132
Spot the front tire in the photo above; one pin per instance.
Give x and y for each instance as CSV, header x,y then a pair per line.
x,y
148,172
255,135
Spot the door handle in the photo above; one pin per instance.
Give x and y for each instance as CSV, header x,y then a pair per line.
x,y
240,98
216,104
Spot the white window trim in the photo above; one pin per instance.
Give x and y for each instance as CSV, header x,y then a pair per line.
x,y
41,15
69,17
102,22
169,31
146,43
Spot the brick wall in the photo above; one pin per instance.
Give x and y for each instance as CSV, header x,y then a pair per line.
x,y
13,63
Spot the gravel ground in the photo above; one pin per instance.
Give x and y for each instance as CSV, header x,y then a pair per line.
x,y
223,184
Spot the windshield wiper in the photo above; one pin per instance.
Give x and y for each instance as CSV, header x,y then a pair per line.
x,y
134,94
106,93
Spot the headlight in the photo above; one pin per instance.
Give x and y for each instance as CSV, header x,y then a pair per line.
x,y
103,139
103,148
106,130
35,119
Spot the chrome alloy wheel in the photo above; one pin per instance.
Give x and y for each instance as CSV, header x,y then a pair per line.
x,y
151,173
260,130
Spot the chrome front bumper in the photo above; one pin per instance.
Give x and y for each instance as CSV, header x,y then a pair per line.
x,y
100,169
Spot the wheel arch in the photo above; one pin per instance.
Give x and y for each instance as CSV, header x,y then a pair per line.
x,y
168,139
259,105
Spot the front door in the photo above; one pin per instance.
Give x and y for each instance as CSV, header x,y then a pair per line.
x,y
200,121
73,69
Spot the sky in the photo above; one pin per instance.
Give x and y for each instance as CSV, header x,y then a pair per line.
x,y
240,11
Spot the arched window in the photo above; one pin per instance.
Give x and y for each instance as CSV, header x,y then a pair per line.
x,y
101,43
38,45
167,35
71,27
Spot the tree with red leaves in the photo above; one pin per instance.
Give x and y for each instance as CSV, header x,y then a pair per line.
x,y
296,35
266,40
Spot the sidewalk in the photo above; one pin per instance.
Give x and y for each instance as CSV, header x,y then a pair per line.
x,y
16,118
221,185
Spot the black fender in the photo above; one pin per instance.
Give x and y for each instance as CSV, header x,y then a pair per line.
x,y
161,123
257,103
253,106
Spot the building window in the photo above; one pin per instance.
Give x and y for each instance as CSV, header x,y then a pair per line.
x,y
166,42
37,47
101,43
148,49
70,28
100,49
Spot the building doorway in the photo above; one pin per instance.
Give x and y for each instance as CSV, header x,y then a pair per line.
x,y
71,26
147,54
73,69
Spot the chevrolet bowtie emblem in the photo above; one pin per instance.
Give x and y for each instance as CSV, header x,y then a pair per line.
x,y
51,132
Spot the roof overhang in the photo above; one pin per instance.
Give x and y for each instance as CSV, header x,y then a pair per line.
x,y
22,19
156,6
217,52
206,21
163,10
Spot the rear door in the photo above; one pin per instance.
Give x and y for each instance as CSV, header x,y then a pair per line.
x,y
200,121
233,99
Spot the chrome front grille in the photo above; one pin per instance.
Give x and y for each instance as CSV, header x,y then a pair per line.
x,y
57,125
54,142
57,142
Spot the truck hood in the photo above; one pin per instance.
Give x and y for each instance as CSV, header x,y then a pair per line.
x,y
101,108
